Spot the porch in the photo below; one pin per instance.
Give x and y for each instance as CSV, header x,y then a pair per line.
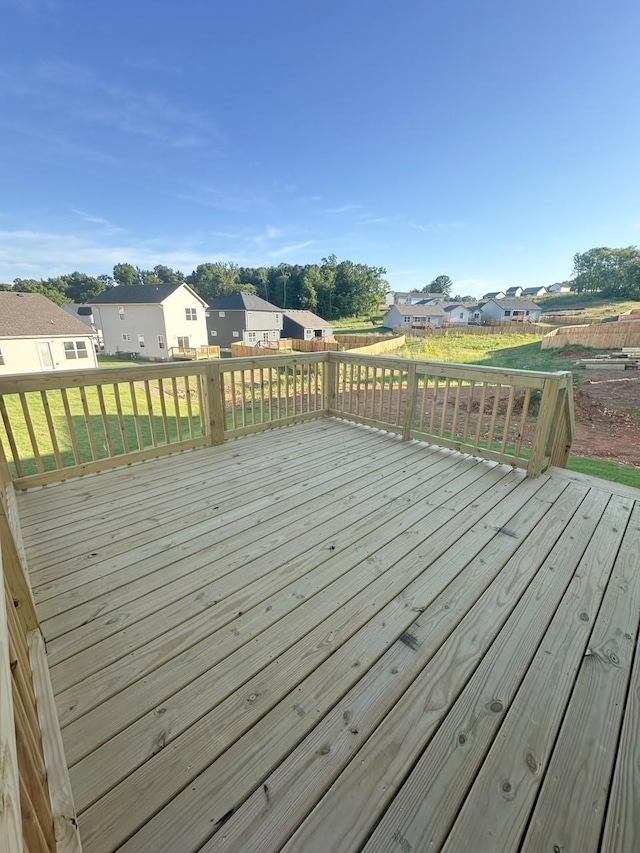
x,y
335,635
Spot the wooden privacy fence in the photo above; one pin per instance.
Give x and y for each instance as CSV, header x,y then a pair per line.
x,y
600,335
462,329
59,425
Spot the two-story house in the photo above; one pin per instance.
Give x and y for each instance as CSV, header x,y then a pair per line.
x,y
37,335
149,320
243,318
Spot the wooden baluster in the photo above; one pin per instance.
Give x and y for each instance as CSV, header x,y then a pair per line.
x,y
270,394
456,409
136,415
467,420
399,416
375,391
243,394
507,419
253,397
51,428
358,386
445,404
286,391
163,409
295,388
483,400
434,406
31,432
523,421
234,404
316,374
176,406
73,438
187,394
10,438
95,454
423,406
494,416
390,409
262,395
121,423
105,421
152,420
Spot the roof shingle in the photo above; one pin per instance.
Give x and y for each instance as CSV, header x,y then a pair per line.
x,y
24,315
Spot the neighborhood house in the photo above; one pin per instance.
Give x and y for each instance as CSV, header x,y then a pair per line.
x,y
305,325
36,336
243,318
511,309
148,321
414,316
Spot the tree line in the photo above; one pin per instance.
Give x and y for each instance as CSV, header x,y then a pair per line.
x,y
610,272
332,288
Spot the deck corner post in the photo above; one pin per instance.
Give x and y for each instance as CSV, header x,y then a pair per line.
x,y
547,421
410,407
213,421
329,384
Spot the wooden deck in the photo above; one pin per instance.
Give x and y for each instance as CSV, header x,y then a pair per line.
x,y
323,638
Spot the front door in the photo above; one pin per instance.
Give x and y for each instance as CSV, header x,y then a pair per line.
x,y
46,359
183,342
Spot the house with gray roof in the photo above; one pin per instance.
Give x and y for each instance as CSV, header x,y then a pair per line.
x,y
534,291
36,336
243,318
512,292
496,294
411,316
457,313
511,309
305,325
148,320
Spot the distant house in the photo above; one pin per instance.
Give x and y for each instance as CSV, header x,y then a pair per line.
x,y
414,297
243,318
559,287
497,294
510,309
84,313
513,292
457,313
305,325
534,291
475,313
36,336
149,320
414,316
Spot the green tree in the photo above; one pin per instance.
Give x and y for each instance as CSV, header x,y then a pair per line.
x,y
80,287
126,275
611,272
166,275
440,284
214,280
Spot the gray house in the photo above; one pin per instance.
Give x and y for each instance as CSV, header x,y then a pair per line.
x,y
512,292
457,313
414,316
243,318
511,309
534,291
496,294
305,325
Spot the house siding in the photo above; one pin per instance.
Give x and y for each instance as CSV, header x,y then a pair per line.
x,y
395,318
176,323
293,329
242,322
21,355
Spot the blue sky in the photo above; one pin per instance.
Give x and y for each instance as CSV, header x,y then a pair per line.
x,y
488,140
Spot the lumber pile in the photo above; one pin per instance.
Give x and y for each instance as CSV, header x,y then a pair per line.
x,y
627,358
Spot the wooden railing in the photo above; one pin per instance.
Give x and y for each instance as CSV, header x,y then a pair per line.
x,y
36,806
194,353
56,426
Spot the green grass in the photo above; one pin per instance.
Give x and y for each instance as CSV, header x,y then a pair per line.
x,y
115,361
369,325
594,306
629,475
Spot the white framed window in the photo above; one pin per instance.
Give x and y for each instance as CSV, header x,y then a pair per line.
x,y
141,341
214,333
221,313
191,313
161,341
277,318
461,315
406,319
507,313
75,349
183,342
126,337
251,337
1,357
121,312
265,336
236,334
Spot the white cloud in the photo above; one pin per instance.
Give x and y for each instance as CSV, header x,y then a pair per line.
x,y
92,219
344,208
442,225
288,250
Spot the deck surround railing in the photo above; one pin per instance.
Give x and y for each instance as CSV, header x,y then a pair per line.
x,y
60,425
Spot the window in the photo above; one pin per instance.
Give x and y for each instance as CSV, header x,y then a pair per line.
x,y
121,312
75,349
1,357
461,315
126,337
191,313
406,319
214,333
183,342
221,314
277,318
160,341
507,313
141,341
236,334
265,336
251,337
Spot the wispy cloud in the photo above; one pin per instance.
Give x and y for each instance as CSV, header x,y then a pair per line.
x,y
289,250
233,202
104,224
77,93
153,64
438,225
376,220
344,209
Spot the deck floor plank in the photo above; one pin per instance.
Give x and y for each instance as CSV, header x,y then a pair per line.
x,y
277,643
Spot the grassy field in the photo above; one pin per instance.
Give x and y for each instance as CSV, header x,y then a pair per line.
x,y
594,306
370,325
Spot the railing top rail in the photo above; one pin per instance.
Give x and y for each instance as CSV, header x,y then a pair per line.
x,y
258,361
22,382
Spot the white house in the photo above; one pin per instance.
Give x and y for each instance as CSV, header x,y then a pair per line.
x,y
149,320
84,313
402,297
559,287
495,294
513,292
511,309
457,314
37,335
534,291
414,315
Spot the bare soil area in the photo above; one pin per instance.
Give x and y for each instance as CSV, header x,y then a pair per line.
x,y
608,417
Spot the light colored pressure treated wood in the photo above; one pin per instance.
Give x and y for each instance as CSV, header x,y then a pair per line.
x,y
10,816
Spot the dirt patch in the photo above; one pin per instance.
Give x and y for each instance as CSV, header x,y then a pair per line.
x,y
574,352
606,425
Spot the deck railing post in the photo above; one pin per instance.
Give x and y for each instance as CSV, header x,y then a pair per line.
x,y
547,418
410,407
213,420
329,384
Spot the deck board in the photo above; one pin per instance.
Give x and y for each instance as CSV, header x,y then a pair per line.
x,y
299,640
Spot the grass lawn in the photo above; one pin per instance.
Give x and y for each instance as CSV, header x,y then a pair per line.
x,y
594,306
370,325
